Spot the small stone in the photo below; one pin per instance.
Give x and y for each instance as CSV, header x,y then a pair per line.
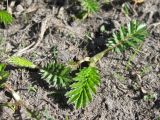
x,y
29,2
19,8
9,47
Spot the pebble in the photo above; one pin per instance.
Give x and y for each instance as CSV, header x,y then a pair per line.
x,y
9,47
29,2
19,8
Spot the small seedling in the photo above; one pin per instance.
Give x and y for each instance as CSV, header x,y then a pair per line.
x,y
89,7
126,37
83,85
5,17
57,75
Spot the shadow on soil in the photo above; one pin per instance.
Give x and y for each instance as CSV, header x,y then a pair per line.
x,y
57,96
98,44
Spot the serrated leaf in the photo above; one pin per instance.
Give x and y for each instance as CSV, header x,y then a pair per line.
x,y
20,61
5,17
57,75
91,6
128,36
73,98
79,101
121,33
88,93
84,87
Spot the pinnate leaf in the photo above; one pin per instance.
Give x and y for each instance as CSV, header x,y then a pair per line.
x,y
5,17
84,87
20,61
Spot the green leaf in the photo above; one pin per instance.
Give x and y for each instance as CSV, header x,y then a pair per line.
x,y
84,87
20,61
91,6
73,98
131,35
57,75
127,37
5,17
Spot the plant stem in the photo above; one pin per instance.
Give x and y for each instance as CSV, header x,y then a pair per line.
x,y
99,56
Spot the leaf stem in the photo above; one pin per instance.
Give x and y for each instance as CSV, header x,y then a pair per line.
x,y
99,56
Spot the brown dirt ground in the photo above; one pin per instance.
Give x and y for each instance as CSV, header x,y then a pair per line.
x,y
121,94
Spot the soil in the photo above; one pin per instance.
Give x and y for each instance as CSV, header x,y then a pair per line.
x,y
122,93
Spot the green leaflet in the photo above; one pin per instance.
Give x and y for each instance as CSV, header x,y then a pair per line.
x,y
20,61
84,87
56,74
5,17
90,6
128,36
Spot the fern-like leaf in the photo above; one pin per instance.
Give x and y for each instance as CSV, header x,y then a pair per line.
x,y
5,17
20,61
56,74
90,6
84,87
128,36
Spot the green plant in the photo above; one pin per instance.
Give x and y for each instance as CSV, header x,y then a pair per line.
x,y
20,61
5,17
89,7
57,75
125,38
84,86
128,37
54,73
